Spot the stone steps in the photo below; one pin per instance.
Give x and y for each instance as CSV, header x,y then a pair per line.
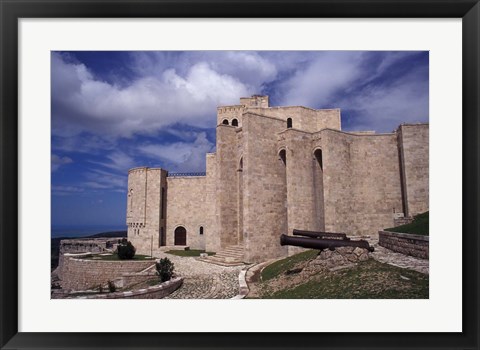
x,y
230,256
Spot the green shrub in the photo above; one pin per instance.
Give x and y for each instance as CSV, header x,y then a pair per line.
x,y
165,269
126,250
111,287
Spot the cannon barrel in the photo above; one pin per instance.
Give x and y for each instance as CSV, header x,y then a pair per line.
x,y
319,234
321,244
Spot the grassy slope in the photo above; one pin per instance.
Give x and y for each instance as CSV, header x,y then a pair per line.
x,y
418,226
367,280
280,266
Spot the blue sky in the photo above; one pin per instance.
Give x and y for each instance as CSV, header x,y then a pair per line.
x,y
112,111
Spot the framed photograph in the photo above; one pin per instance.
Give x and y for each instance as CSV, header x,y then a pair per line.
x,y
209,174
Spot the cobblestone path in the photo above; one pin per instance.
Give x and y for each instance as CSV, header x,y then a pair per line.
x,y
387,256
203,280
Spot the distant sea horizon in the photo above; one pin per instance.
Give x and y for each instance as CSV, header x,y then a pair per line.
x,y
83,230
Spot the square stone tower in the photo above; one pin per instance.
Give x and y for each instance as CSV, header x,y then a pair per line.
x,y
146,208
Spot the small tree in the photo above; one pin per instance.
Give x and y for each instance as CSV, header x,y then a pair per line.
x,y
126,250
164,269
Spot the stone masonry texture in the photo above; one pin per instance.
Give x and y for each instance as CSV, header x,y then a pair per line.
x,y
267,178
82,274
408,244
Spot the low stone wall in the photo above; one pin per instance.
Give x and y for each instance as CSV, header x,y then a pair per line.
x,y
92,245
405,243
155,292
76,273
402,221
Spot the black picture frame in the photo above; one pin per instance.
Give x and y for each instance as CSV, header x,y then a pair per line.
x,y
11,11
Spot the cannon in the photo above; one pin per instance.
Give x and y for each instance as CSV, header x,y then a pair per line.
x,y
321,244
319,234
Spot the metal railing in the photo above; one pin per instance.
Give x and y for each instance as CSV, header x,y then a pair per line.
x,y
186,174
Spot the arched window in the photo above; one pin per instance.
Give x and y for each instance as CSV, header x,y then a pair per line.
x,y
225,122
289,123
235,122
201,230
319,158
283,156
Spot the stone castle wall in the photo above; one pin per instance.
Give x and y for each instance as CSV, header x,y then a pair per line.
x,y
338,201
230,113
362,181
332,180
82,274
227,185
137,196
303,118
145,219
414,148
264,189
300,184
212,238
187,206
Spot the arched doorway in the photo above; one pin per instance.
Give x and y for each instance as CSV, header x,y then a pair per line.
x,y
180,236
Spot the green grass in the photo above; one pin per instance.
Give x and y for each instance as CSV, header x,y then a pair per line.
x,y
114,257
190,252
154,282
280,266
368,280
418,226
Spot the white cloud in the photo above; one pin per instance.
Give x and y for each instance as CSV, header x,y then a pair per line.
x,y
91,115
180,156
104,180
66,190
86,143
58,161
251,68
119,161
80,102
315,83
383,108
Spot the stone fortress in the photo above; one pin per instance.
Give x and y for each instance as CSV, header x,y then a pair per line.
x,y
276,169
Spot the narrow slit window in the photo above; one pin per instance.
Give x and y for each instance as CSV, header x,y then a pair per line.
x,y
319,158
283,156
